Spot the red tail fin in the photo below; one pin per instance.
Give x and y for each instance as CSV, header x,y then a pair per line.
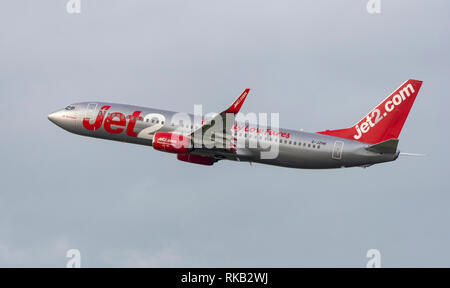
x,y
386,120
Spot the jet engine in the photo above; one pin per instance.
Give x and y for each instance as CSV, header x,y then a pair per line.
x,y
196,159
171,142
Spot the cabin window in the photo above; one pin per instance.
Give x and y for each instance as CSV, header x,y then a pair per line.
x,y
318,146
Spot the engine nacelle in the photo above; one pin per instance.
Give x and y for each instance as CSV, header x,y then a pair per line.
x,y
196,159
171,142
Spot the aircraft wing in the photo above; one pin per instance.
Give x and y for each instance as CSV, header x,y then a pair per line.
x,y
218,131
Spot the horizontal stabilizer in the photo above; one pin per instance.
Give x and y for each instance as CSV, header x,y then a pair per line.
x,y
385,147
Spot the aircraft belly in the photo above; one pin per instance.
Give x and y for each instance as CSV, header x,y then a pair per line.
x,y
299,158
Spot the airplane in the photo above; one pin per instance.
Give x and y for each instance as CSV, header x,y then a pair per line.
x,y
372,140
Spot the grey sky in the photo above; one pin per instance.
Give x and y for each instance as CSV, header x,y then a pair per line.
x,y
320,64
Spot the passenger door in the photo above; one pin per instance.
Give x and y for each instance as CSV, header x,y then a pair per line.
x,y
337,150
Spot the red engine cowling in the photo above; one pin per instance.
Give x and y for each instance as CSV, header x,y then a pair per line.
x,y
171,142
197,159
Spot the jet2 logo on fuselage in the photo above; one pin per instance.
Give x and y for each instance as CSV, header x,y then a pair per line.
x,y
119,121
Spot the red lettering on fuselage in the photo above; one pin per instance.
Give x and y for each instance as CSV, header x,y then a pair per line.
x,y
132,123
116,119
98,120
111,121
264,131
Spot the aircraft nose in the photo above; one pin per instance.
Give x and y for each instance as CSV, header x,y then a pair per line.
x,y
53,117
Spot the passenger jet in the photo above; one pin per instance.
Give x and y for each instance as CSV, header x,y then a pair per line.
x,y
207,140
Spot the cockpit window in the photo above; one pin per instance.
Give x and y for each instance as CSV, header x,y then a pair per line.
x,y
70,107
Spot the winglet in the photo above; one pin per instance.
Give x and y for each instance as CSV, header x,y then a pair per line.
x,y
236,106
